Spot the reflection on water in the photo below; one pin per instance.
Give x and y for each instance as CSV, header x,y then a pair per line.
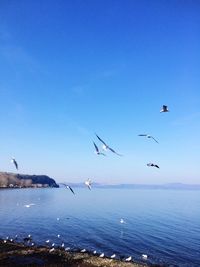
x,y
163,224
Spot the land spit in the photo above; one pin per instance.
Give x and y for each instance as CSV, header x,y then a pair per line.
x,y
14,254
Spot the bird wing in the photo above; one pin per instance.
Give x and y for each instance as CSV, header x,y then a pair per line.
x,y
16,165
114,151
150,164
96,147
156,166
154,139
142,134
101,140
71,190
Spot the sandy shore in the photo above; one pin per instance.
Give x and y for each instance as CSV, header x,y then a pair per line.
x,y
17,254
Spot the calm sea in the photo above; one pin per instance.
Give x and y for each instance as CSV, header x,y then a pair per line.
x,y
163,224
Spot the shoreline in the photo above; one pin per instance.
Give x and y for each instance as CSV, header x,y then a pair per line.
x,y
15,254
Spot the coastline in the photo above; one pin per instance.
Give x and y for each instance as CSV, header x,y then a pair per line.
x,y
14,254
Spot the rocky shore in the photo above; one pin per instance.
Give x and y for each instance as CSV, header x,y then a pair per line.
x,y
14,254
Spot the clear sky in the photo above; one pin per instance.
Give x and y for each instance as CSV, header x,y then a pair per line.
x,y
69,69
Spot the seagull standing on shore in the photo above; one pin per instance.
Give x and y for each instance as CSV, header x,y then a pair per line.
x,y
113,256
88,183
106,147
15,163
97,150
148,136
152,165
69,187
144,256
128,259
164,109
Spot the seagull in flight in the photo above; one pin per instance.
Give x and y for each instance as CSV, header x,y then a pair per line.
x,y
106,147
97,150
152,165
88,183
69,187
148,136
164,109
15,163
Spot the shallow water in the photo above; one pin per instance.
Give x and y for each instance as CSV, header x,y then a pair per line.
x,y
164,224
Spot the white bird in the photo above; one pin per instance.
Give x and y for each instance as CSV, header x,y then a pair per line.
x,y
51,250
152,165
69,187
144,256
15,163
63,245
128,259
106,147
164,109
47,241
29,205
148,136
53,245
101,255
83,250
67,249
88,183
113,256
58,236
122,221
94,252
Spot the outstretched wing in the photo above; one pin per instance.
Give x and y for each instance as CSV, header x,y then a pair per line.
x,y
154,139
101,140
71,190
16,165
142,134
96,147
114,151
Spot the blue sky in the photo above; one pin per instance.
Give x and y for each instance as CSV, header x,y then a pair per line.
x,y
73,68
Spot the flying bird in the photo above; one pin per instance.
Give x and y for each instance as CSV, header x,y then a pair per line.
x,y
88,183
148,136
152,165
106,147
164,109
69,187
15,163
97,150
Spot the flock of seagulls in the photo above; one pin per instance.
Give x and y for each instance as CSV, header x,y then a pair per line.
x,y
88,183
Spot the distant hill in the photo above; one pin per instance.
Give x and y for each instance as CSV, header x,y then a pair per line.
x,y
177,186
13,180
